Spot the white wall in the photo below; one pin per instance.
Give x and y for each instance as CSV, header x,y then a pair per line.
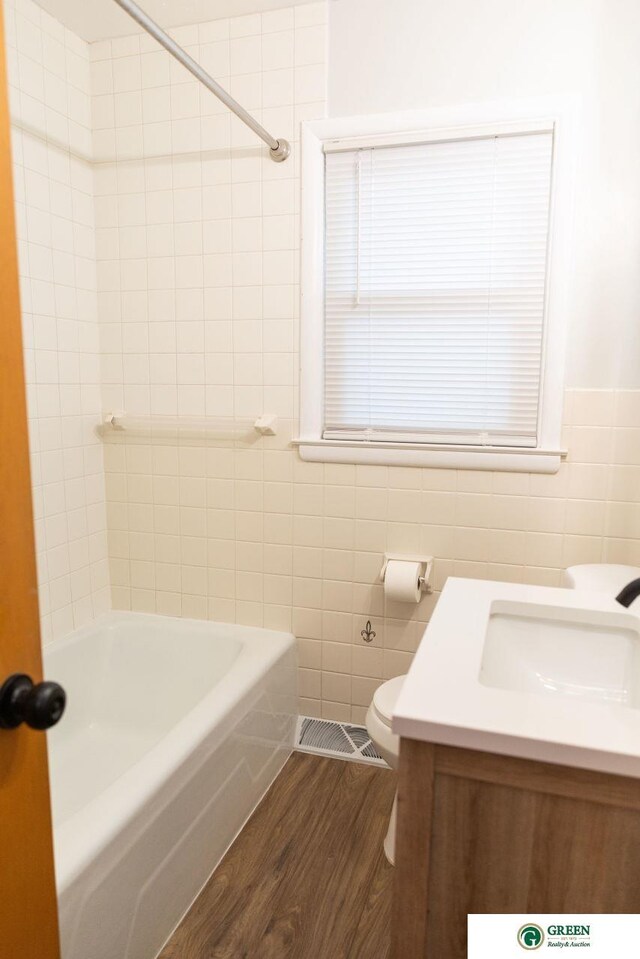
x,y
386,56
197,258
53,184
198,303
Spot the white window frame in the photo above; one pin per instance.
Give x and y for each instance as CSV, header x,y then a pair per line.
x,y
421,126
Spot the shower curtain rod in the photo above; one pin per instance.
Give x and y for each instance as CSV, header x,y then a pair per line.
x,y
278,149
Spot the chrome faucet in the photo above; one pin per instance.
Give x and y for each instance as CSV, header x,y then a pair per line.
x,y
627,595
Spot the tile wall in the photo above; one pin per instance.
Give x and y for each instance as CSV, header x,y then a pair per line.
x,y
254,535
197,228
49,76
198,244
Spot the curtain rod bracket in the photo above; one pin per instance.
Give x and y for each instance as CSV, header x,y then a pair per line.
x,y
281,152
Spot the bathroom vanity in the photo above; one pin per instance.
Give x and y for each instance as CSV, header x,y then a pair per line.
x,y
519,785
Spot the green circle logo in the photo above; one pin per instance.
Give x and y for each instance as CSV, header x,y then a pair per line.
x,y
530,936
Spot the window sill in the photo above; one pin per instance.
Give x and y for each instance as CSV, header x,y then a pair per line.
x,y
504,458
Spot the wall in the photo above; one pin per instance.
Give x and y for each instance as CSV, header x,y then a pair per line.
x,y
197,241
197,238
417,54
198,244
51,133
196,226
254,535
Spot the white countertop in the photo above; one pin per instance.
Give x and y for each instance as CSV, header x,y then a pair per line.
x,y
443,700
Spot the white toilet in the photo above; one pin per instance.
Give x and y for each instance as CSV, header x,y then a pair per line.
x,y
388,745
607,578
596,577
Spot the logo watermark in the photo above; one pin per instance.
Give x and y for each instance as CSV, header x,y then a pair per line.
x,y
530,936
510,935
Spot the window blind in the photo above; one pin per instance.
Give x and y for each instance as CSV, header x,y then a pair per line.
x,y
435,273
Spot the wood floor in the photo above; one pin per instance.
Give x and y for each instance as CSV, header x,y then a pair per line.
x,y
307,877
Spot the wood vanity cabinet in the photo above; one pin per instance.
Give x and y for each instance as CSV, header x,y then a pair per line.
x,y
482,833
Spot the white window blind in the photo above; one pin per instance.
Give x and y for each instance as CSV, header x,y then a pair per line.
x,y
435,272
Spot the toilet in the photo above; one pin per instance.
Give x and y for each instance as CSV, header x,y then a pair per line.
x,y
607,578
594,577
387,743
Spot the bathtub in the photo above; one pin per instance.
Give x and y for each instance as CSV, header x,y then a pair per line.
x,y
173,732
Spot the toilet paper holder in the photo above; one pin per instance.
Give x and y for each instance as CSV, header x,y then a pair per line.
x,y
426,563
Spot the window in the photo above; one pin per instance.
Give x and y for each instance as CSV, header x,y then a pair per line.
x,y
433,299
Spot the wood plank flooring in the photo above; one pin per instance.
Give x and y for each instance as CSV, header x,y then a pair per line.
x,y
306,878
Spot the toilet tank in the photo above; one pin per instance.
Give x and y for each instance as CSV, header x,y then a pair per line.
x,y
601,577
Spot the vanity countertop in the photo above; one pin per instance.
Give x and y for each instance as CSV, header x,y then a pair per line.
x,y
529,671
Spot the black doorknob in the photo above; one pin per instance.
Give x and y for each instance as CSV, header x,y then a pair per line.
x,y
39,705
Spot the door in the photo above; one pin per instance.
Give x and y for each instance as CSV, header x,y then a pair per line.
x,y
28,912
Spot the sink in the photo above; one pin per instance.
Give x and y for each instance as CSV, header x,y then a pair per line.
x,y
558,651
532,672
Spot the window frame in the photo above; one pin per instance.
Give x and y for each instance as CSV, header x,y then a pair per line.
x,y
423,126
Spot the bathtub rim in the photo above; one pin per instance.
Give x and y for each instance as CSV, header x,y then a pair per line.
x,y
80,838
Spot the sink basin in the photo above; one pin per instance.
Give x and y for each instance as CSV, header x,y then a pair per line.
x,y
534,672
589,655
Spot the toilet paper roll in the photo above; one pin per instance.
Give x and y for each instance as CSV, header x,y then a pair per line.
x,y
401,581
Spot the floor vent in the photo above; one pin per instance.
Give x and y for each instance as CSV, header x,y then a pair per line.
x,y
342,740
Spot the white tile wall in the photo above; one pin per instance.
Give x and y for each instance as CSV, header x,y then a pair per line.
x,y
50,106
254,535
197,229
198,239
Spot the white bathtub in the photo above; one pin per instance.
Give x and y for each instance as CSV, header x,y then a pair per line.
x,y
174,730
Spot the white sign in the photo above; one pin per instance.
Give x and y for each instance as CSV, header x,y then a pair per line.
x,y
512,936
